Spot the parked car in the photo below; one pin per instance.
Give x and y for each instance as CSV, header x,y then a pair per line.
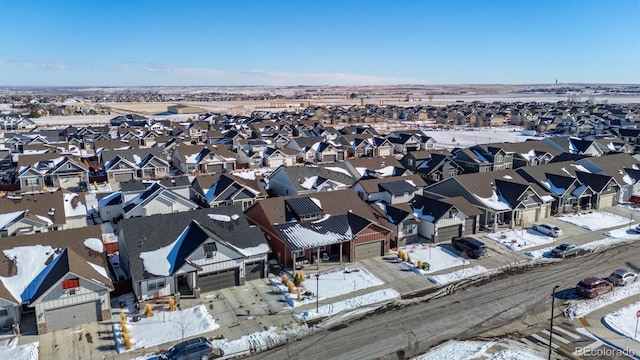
x,y
473,248
622,277
548,229
634,199
593,286
564,250
194,349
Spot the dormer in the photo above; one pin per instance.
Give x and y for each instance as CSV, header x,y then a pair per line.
x,y
304,208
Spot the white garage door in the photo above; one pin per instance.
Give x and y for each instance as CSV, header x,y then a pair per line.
x,y
606,201
70,316
275,163
69,182
529,216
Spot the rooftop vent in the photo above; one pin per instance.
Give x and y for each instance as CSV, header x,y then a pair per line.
x,y
51,212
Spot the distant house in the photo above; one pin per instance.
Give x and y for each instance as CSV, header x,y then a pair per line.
x,y
215,190
391,190
308,179
191,253
39,172
185,109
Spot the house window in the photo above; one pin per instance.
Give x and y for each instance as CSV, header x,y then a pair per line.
x,y
410,162
32,181
498,158
297,253
409,229
69,166
210,250
4,312
70,284
155,284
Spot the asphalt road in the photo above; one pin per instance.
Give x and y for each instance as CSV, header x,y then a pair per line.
x,y
506,305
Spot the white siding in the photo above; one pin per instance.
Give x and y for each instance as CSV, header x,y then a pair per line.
x,y
280,184
426,229
110,212
75,222
405,198
13,313
57,297
168,289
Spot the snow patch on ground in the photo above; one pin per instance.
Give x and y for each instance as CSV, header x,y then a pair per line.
x,y
477,350
438,258
519,239
164,327
594,220
14,351
328,285
457,275
624,321
353,303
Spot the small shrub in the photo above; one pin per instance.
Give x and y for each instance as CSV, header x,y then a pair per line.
x,y
291,287
419,264
285,279
401,254
299,295
408,258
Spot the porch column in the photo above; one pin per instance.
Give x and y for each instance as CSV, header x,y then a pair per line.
x,y
341,253
293,255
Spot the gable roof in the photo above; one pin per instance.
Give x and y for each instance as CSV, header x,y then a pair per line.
x,y
145,234
49,205
299,176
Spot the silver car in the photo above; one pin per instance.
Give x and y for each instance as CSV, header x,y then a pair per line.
x,y
622,277
548,229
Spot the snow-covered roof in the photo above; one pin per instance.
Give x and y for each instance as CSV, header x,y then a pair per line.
x,y
494,202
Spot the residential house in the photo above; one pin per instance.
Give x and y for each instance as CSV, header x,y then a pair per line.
x,y
391,190
64,282
439,221
399,218
483,158
316,150
40,172
215,190
333,225
624,168
298,180
433,166
130,164
156,199
191,253
504,197
375,167
32,213
197,159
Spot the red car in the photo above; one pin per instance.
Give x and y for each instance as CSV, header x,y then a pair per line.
x,y
635,199
593,286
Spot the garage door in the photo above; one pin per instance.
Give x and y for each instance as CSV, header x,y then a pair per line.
x,y
219,280
529,216
328,158
276,163
217,168
122,177
70,316
69,182
470,226
254,270
369,250
606,201
445,234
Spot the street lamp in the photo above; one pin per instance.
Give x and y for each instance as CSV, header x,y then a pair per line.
x,y
553,298
317,290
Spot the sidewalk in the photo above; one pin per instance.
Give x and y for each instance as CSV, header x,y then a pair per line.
x,y
596,326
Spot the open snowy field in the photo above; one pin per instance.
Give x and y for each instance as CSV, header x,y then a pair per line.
x,y
594,220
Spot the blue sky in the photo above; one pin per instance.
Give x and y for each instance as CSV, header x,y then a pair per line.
x,y
321,42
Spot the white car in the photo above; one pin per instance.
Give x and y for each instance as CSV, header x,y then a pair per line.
x,y
548,229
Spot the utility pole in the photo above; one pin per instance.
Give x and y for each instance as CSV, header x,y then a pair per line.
x,y
553,298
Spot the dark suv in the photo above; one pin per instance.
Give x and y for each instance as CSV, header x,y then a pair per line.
x,y
593,286
195,349
473,248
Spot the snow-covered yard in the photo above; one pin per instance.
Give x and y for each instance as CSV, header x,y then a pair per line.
x,y
578,308
516,240
329,284
353,303
164,327
457,275
477,350
595,220
14,351
438,258
624,321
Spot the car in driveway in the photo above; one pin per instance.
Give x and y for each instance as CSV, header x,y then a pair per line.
x,y
592,287
622,277
564,250
547,229
469,247
194,349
